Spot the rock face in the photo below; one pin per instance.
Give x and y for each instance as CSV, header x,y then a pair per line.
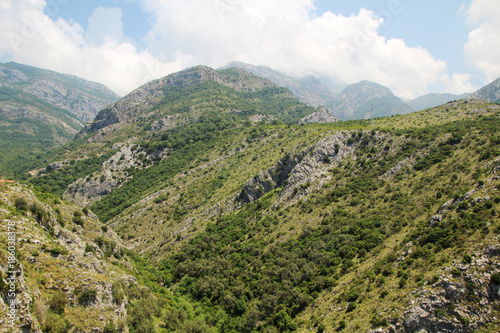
x,y
302,172
490,93
461,301
112,174
320,116
366,99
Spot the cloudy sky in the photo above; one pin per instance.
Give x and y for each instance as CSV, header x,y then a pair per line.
x,y
413,47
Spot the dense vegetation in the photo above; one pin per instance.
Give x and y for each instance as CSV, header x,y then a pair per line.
x,y
233,266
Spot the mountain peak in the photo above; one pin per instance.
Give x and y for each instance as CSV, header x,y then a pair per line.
x,y
367,99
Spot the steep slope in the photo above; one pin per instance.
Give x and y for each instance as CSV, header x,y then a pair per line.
x,y
432,100
67,272
490,92
301,227
81,98
308,89
40,110
366,99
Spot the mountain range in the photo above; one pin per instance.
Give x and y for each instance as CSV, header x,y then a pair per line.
x,y
431,100
360,100
213,201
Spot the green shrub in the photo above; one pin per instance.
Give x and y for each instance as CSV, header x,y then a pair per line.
x,y
109,328
55,324
495,279
78,221
351,307
87,296
58,302
21,204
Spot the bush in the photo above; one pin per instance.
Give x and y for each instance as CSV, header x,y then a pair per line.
x,y
351,307
21,204
37,211
109,328
58,302
78,220
495,279
56,324
87,296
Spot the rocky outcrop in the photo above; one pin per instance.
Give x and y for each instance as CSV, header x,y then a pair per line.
x,y
320,116
41,271
490,93
461,301
166,123
113,173
302,172
257,118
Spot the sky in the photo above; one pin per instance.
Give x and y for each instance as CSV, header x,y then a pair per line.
x,y
413,47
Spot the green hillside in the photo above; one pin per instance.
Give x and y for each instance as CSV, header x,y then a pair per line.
x,y
265,226
41,110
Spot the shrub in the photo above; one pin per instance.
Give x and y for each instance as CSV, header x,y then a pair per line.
x,y
467,259
78,221
109,328
87,296
351,307
58,302
56,324
38,211
21,204
495,279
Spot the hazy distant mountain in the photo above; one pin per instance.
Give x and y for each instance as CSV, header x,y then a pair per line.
x,y
432,100
308,89
367,99
42,109
490,93
82,98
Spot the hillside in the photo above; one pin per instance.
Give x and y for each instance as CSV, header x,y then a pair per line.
x,y
432,100
71,273
81,98
366,99
40,110
267,226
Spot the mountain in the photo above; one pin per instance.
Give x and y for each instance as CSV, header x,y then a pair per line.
x,y
490,93
387,225
41,109
81,98
315,91
432,100
366,99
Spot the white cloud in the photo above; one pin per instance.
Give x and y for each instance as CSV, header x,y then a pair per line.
x,y
482,51
289,35
31,37
105,24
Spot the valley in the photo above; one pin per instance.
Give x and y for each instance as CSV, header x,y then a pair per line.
x,y
211,199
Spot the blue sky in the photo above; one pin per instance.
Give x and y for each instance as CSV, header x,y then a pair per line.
x,y
413,47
